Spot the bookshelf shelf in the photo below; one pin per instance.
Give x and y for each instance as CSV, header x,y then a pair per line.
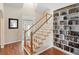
x,y
67,21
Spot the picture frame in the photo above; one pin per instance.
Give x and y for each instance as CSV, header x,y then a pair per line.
x,y
13,23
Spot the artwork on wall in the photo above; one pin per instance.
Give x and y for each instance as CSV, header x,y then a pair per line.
x,y
13,23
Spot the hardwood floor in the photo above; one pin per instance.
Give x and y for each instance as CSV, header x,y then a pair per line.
x,y
13,49
16,49
52,51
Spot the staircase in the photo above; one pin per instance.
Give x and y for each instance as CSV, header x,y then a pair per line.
x,y
38,42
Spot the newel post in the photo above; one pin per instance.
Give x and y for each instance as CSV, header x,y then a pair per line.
x,y
25,38
31,42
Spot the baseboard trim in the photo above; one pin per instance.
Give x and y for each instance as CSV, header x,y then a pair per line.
x,y
2,46
12,42
64,51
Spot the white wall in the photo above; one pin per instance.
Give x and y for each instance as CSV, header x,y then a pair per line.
x,y
11,35
28,9
1,24
0,29
1,16
0,21
20,12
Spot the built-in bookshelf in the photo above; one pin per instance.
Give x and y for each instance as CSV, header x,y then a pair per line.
x,y
66,28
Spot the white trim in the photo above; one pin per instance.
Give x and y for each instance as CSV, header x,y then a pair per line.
x,y
37,52
64,51
2,32
11,42
2,46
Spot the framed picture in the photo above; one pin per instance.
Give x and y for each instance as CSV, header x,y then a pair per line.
x,y
13,23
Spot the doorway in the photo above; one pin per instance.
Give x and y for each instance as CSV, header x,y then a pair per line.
x,y
26,24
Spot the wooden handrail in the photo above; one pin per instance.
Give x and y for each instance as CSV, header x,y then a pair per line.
x,y
36,23
43,23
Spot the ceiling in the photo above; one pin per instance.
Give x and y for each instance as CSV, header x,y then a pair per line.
x,y
36,8
17,5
